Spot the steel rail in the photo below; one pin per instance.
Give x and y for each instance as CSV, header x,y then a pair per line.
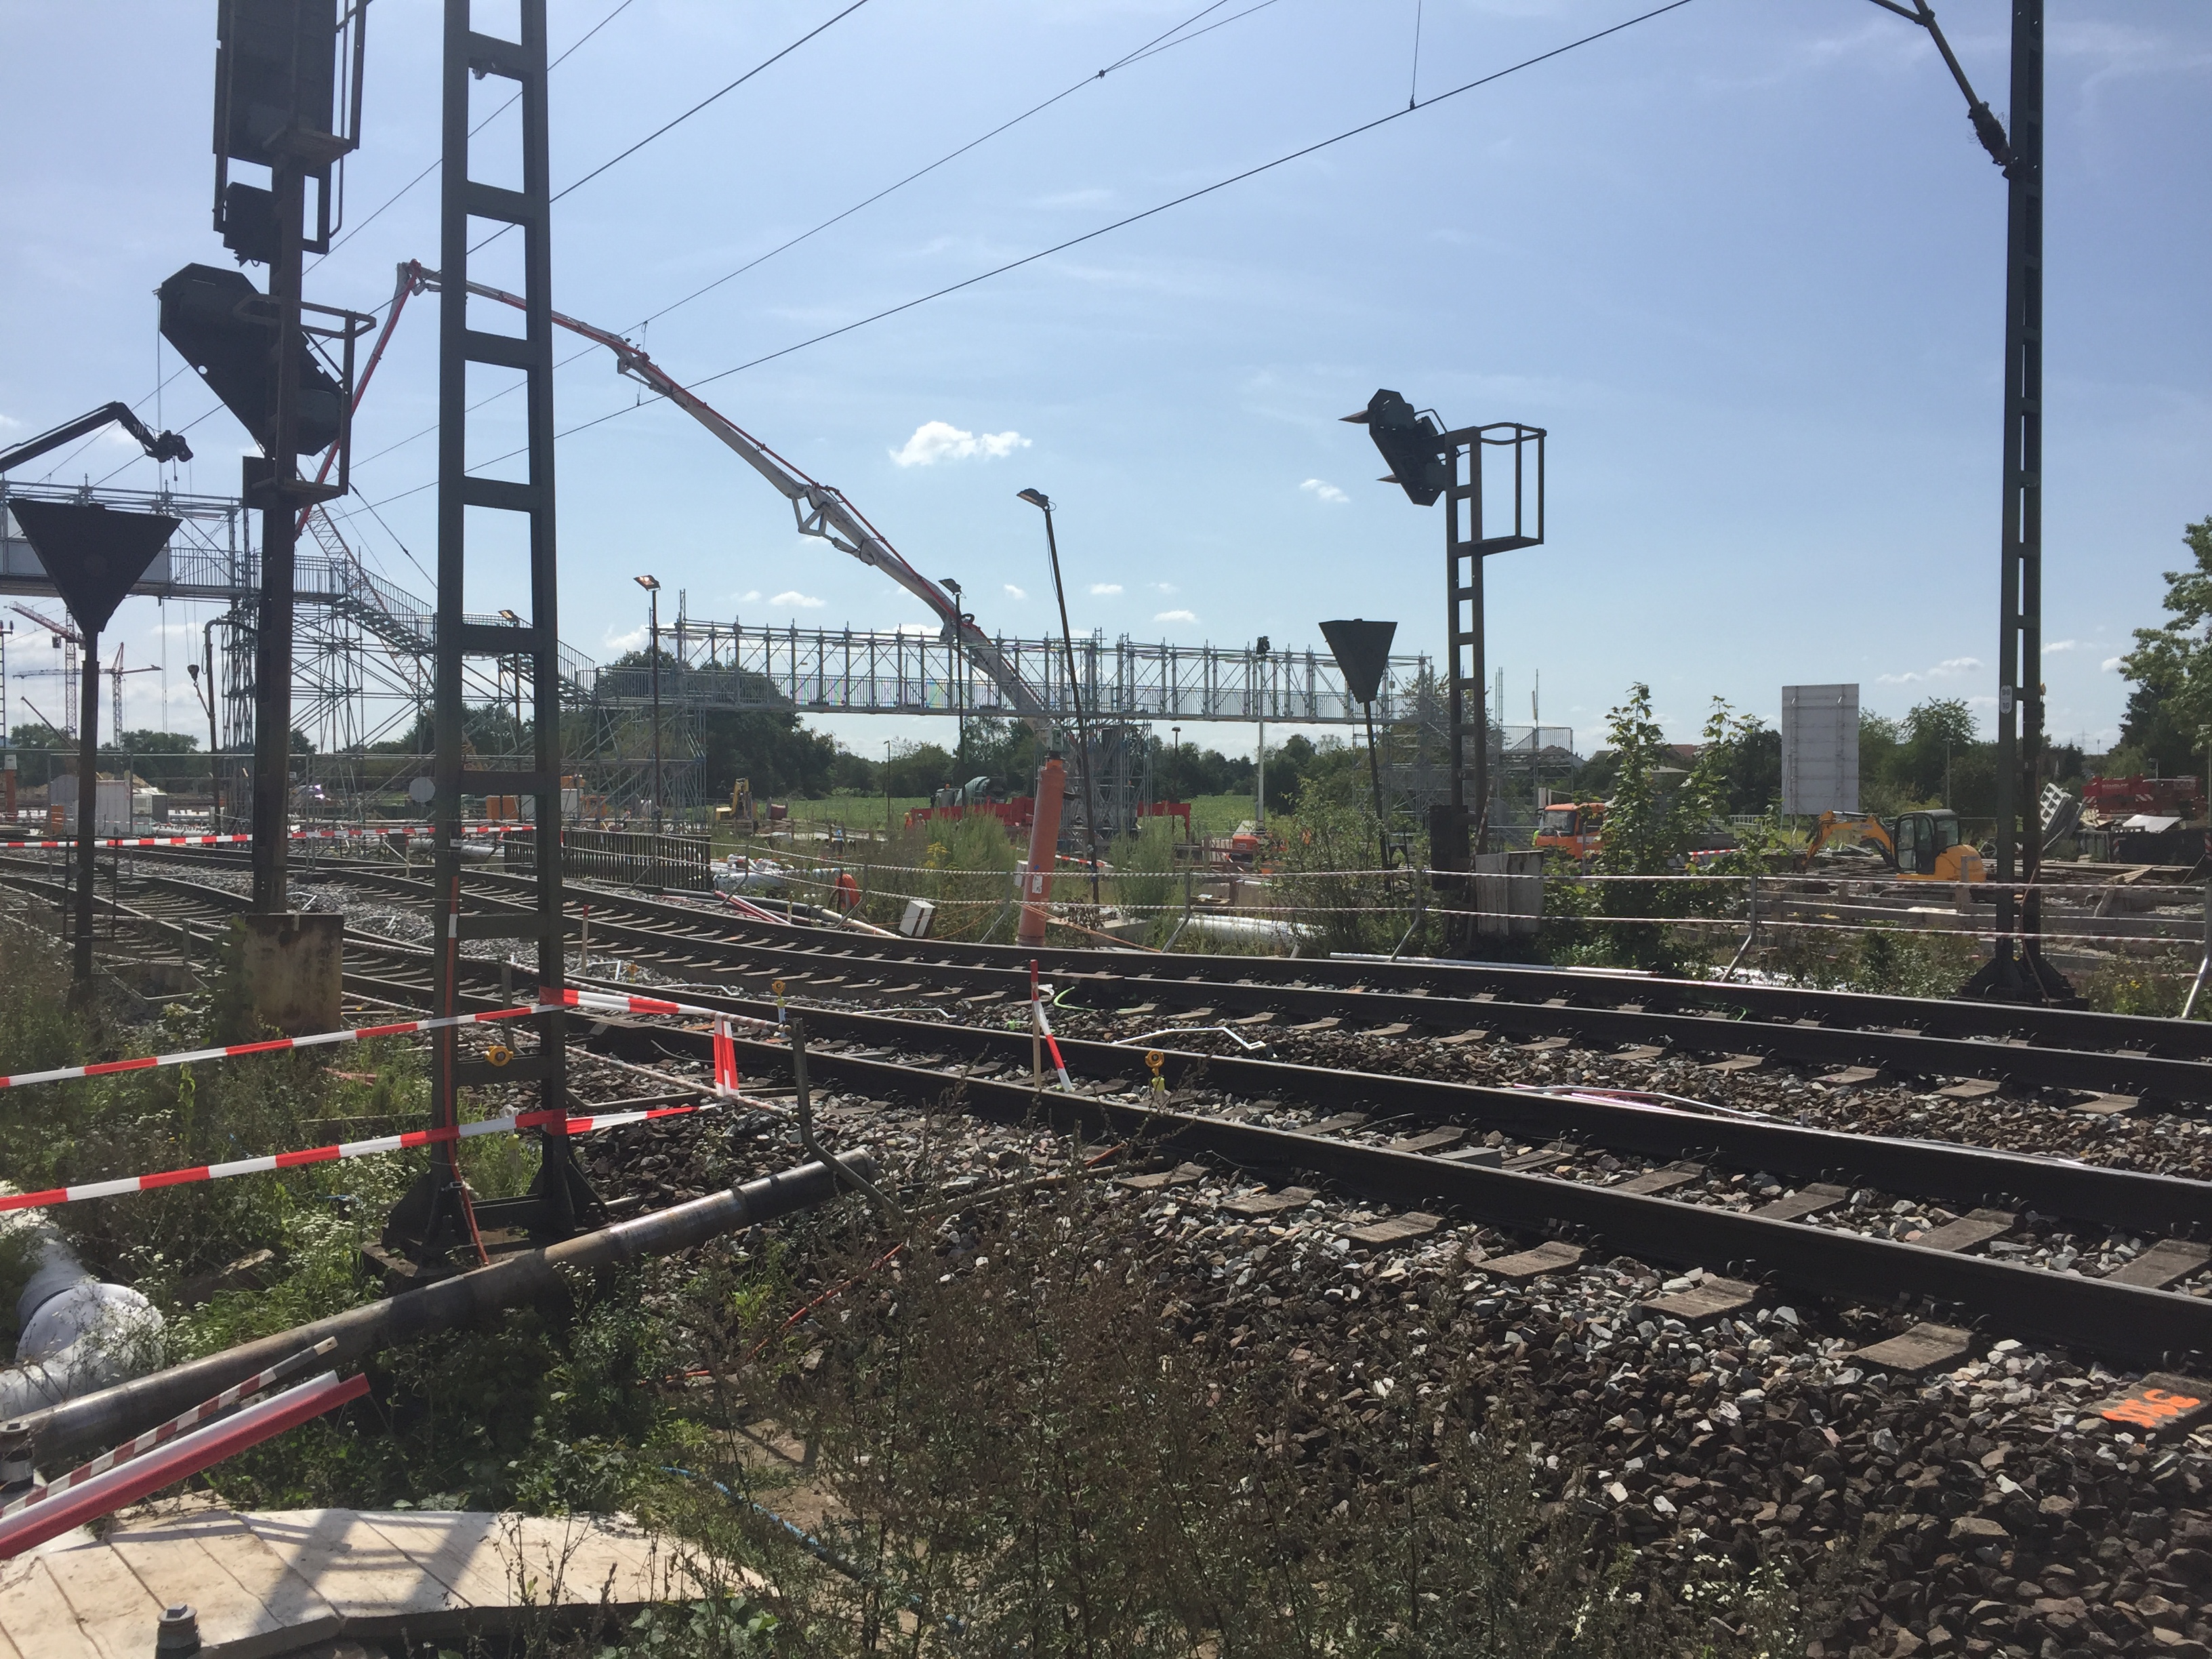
x,y
2121,1035
1133,980
1913,1053
1943,1170
2118,1320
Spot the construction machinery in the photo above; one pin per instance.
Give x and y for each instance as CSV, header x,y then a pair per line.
x,y
819,509
160,446
1575,828
1917,846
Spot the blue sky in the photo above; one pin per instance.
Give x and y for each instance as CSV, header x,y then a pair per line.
x,y
1744,260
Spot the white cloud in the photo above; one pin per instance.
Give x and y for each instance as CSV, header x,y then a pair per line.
x,y
1014,592
2061,645
1325,492
1167,587
940,441
2109,665
1950,669
751,596
919,627
1174,616
633,640
1101,589
805,601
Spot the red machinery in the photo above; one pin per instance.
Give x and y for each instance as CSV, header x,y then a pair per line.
x,y
2121,797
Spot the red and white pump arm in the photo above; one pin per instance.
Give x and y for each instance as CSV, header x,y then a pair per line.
x,y
820,509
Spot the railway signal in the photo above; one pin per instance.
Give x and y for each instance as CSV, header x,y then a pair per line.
x,y
1431,464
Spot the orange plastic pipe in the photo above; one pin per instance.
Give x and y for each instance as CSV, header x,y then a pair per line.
x,y
1044,845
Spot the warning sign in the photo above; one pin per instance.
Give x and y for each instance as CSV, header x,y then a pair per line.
x,y
2160,1400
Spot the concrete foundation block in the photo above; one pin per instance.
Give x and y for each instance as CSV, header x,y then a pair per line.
x,y
293,966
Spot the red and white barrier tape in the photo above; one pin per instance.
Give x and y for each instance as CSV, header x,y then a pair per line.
x,y
608,1002
176,1426
514,1122
149,1062
600,1001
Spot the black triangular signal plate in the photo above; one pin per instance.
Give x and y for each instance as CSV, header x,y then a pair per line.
x,y
95,554
1363,652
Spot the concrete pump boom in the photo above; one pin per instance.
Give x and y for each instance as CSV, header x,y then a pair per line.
x,y
819,509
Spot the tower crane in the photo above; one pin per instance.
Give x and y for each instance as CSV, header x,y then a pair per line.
x,y
820,509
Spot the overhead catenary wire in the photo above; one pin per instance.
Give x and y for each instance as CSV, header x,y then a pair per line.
x,y
1165,41
376,212
669,126
1103,230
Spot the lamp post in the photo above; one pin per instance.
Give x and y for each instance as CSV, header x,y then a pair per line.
x,y
653,650
1175,792
1037,499
959,686
515,667
1260,750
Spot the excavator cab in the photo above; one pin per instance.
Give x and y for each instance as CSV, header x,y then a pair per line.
x,y
1928,848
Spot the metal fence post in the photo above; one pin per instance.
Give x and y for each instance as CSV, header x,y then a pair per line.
x,y
1751,933
2204,964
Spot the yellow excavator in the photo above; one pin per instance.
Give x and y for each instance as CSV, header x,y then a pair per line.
x,y
1923,845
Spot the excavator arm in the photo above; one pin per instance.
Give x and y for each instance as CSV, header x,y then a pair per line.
x,y
1850,828
819,509
162,446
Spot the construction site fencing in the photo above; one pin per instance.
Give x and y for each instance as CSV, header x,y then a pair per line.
x,y
2120,917
626,857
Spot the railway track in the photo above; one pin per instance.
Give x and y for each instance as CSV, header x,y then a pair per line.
x,y
1741,1199
2105,1054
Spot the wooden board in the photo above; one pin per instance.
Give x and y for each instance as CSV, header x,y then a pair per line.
x,y
115,1612
1557,1152
1923,1348
1975,1227
2160,1264
1736,1063
1329,1126
37,1616
2160,1401
1664,1180
1528,1264
1259,1205
245,1597
1709,1299
1808,1199
1326,1023
1851,1076
1432,1141
351,1564
1460,1039
1973,1088
1414,1223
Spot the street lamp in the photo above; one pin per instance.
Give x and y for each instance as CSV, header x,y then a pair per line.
x,y
1037,499
1177,792
959,686
1260,750
514,665
652,587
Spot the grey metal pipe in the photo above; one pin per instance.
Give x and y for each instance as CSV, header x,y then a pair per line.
x,y
99,1420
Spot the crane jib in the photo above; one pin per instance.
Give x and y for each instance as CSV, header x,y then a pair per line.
x,y
821,511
